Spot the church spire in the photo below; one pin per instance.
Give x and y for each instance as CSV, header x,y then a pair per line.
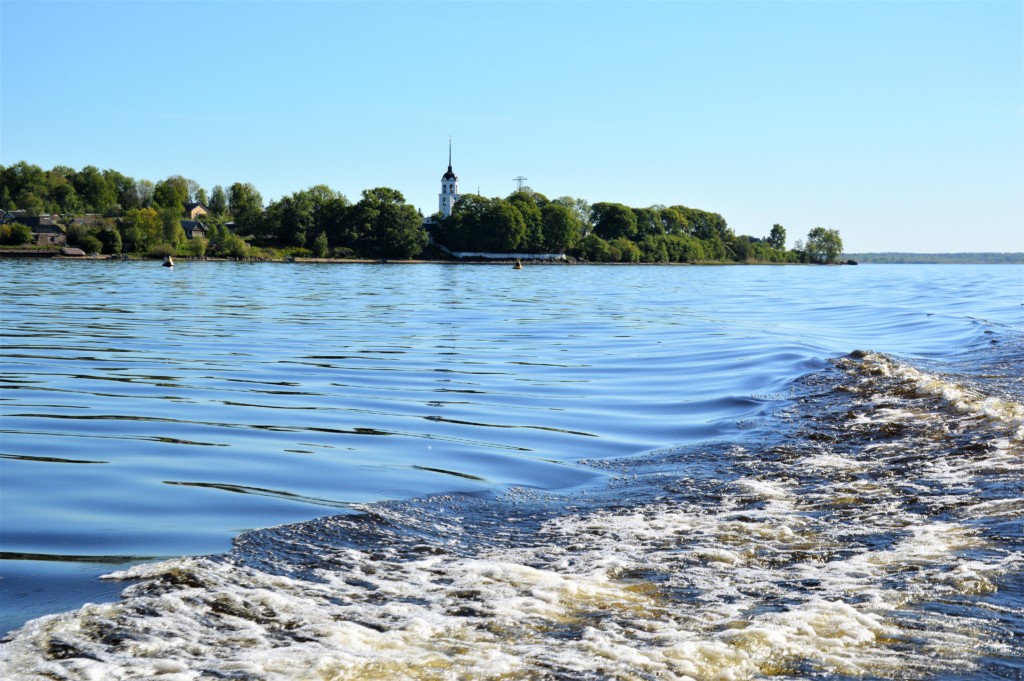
x,y
449,186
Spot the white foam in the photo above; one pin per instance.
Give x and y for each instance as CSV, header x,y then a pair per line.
x,y
962,398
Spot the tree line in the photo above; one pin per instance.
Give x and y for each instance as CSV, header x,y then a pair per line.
x,y
528,222
143,217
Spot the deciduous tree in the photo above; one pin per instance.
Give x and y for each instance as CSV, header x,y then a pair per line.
x,y
823,246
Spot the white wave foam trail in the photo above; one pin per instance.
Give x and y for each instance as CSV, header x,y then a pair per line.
x,y
598,597
876,540
962,398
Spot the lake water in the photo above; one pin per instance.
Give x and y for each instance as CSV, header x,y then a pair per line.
x,y
465,471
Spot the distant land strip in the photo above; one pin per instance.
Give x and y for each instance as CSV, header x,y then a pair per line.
x,y
938,258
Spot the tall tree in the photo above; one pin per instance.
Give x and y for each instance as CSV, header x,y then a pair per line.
x,y
613,220
172,193
823,245
529,209
95,193
648,222
562,229
145,190
25,186
387,226
777,238
581,209
124,189
141,229
246,206
218,201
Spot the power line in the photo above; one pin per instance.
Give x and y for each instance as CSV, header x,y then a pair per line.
x,y
520,180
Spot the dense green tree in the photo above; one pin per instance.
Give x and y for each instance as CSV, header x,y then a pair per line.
x,y
581,209
246,206
65,199
110,240
287,221
243,198
320,246
623,250
673,221
462,230
172,193
293,220
195,247
386,226
648,222
15,234
172,232
141,229
595,249
145,190
95,193
218,201
506,230
25,185
561,227
90,244
777,238
525,202
194,192
823,246
224,243
125,190
704,225
613,220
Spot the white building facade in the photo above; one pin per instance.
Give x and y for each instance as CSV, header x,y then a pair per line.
x,y
449,188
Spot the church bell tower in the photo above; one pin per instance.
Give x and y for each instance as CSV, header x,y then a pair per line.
x,y
449,188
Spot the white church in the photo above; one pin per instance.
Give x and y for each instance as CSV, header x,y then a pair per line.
x,y
447,198
449,188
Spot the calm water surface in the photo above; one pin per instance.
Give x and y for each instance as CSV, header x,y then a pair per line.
x,y
653,472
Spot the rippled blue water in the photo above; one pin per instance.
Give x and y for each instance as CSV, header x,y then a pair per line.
x,y
152,412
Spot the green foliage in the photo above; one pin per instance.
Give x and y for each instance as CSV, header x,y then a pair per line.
x,y
125,190
321,221
613,220
561,228
320,245
648,222
385,226
622,249
15,234
224,243
160,251
172,231
823,246
110,240
526,204
172,193
218,204
195,248
141,229
595,249
580,209
90,244
96,193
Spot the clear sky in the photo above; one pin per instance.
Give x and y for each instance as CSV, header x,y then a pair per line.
x,y
901,124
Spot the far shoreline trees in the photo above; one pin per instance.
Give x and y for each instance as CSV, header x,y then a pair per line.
x,y
145,218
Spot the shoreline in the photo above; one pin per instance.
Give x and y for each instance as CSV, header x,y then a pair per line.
x,y
41,255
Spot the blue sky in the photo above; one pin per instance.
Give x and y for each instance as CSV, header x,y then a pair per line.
x,y
901,124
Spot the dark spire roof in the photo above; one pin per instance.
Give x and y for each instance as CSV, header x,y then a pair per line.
x,y
449,175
